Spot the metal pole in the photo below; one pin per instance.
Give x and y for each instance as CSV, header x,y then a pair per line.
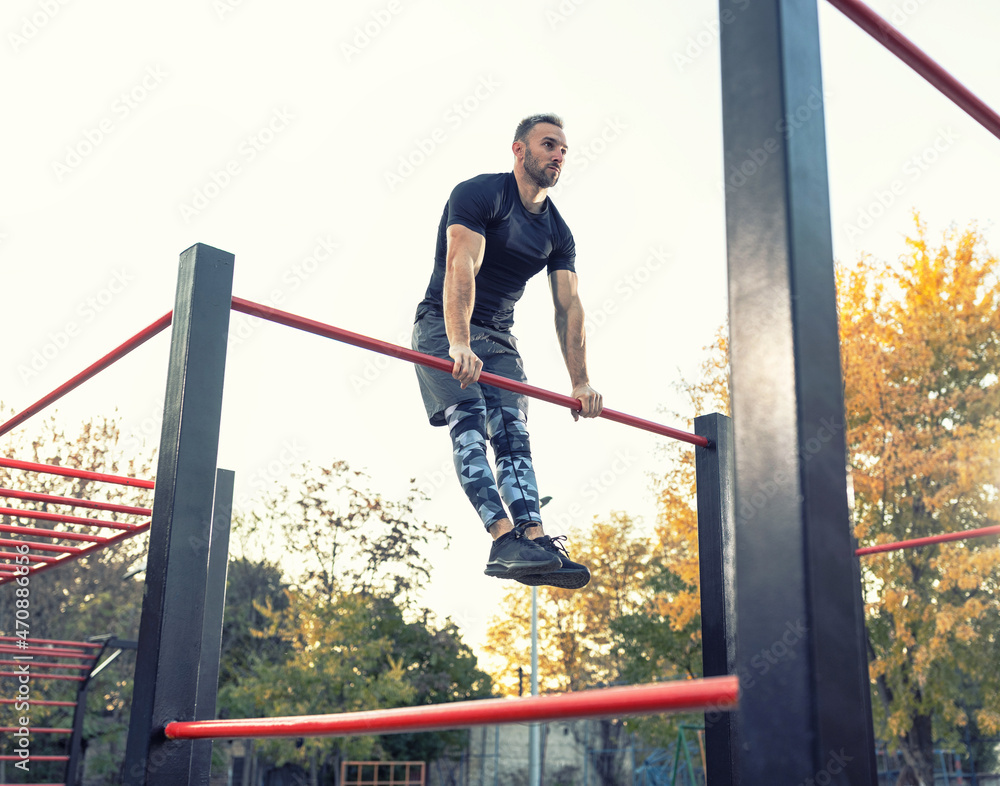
x,y
805,713
169,655
534,740
215,602
717,558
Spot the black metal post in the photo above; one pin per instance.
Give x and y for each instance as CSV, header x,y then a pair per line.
x,y
169,656
803,711
717,561
74,776
211,637
79,712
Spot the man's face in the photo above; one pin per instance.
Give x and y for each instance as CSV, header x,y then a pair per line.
x,y
544,154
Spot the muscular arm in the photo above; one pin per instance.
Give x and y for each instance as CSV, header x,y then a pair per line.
x,y
573,340
465,256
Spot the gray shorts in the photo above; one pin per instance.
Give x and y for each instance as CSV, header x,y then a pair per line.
x,y
496,348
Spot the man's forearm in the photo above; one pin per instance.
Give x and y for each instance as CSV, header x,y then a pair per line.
x,y
573,341
459,298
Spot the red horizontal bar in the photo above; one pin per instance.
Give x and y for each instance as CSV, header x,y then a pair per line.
x,y
6,757
92,370
100,544
949,536
40,546
71,677
393,350
69,472
719,692
37,730
41,702
901,46
41,515
63,642
32,496
34,664
52,533
33,557
52,652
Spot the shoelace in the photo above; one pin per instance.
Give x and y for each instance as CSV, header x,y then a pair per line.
x,y
557,542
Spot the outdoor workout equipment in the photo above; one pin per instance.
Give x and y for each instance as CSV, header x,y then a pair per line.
x,y
788,442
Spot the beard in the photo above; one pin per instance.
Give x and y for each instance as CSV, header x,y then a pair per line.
x,y
541,176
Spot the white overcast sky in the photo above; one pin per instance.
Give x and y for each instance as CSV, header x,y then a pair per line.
x,y
277,131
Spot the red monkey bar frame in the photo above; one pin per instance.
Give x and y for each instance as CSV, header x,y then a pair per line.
x,y
887,35
393,350
92,370
718,692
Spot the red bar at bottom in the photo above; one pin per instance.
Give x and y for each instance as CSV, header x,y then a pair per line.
x,y
715,692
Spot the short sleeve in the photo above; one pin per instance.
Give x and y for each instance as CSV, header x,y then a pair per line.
x,y
563,257
472,206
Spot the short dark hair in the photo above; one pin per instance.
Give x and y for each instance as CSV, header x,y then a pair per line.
x,y
525,126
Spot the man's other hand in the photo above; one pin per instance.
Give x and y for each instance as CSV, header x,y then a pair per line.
x,y
592,402
468,366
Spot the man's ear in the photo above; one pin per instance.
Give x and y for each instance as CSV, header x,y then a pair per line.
x,y
518,148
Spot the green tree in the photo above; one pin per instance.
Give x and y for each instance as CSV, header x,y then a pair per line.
x,y
355,651
251,588
338,534
344,631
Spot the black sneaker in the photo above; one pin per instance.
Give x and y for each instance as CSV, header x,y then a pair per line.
x,y
570,575
513,555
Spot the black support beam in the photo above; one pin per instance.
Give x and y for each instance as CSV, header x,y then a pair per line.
x,y
804,710
169,656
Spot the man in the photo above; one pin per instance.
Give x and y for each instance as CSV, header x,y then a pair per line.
x,y
497,231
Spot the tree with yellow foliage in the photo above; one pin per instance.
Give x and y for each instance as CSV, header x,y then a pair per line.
x,y
921,352
585,637
920,342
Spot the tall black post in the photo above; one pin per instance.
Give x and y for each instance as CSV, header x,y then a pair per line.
x,y
173,607
803,710
211,637
717,562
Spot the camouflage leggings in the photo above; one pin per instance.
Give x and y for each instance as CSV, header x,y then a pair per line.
x,y
470,423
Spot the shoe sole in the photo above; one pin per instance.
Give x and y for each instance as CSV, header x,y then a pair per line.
x,y
563,579
515,570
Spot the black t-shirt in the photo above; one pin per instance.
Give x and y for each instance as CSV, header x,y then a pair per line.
x,y
519,244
